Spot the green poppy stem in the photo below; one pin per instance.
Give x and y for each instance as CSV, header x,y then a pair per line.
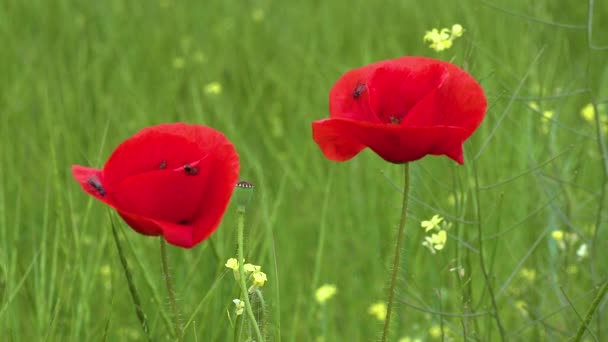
x,y
139,311
170,289
398,247
242,279
596,302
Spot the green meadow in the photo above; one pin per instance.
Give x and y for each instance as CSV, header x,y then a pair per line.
x,y
526,216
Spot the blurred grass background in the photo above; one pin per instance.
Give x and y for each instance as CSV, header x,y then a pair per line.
x,y
77,78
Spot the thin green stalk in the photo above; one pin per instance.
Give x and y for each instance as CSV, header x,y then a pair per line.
x,y
143,320
238,328
398,246
596,303
482,262
242,279
170,289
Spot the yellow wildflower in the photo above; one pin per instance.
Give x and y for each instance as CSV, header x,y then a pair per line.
x,y
545,121
557,235
105,270
442,39
522,307
457,30
432,223
435,331
533,105
529,274
410,339
213,88
240,306
259,279
588,113
232,263
325,292
378,310
251,268
436,242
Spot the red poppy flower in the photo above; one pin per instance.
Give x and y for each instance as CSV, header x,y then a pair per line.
x,y
173,180
402,109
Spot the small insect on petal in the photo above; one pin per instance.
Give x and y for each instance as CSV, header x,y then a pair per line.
x,y
360,89
163,164
97,185
190,170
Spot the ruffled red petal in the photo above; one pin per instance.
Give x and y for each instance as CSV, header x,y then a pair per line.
x,y
394,143
171,179
411,106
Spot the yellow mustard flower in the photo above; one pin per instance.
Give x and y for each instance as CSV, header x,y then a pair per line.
x,y
522,307
249,268
378,310
432,223
259,279
325,292
557,235
457,30
588,113
232,263
560,238
436,242
213,88
528,274
410,339
533,105
105,270
440,40
546,120
435,331
240,306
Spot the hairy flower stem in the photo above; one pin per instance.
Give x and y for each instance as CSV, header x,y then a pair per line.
x,y
170,289
143,320
398,247
596,302
242,279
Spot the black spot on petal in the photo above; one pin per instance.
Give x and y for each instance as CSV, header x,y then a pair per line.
x,y
190,170
359,89
97,186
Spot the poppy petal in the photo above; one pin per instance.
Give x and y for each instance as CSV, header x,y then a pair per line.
x,y
395,90
394,143
150,149
174,180
335,140
349,97
91,181
411,106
